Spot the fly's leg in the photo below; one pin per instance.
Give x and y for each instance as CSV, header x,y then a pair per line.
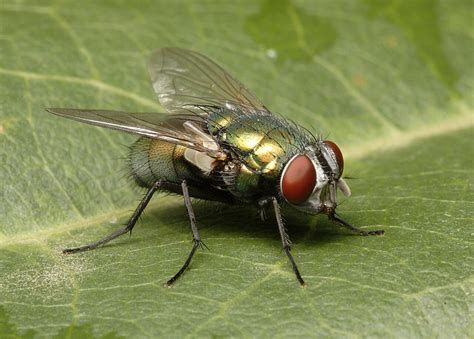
x,y
196,237
127,228
354,229
262,205
285,239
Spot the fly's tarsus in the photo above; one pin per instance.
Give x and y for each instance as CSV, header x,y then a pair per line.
x,y
376,232
196,245
354,229
203,246
196,237
127,228
285,239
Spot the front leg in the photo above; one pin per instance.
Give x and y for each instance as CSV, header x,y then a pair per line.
x,y
354,229
285,239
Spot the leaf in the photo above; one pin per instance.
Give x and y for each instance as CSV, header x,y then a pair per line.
x,y
390,81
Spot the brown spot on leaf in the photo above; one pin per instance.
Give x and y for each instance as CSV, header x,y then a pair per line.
x,y
391,41
359,80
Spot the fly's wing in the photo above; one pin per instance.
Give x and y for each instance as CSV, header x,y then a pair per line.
x,y
182,129
188,81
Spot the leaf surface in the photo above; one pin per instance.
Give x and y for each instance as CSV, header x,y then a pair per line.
x,y
396,96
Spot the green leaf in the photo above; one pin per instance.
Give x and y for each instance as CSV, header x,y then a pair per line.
x,y
390,81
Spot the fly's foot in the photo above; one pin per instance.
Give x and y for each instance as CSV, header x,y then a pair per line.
x,y
201,244
72,250
376,232
354,229
84,248
197,243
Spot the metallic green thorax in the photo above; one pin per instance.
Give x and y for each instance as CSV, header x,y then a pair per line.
x,y
260,145
257,147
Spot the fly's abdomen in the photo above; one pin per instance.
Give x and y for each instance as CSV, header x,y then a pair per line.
x,y
152,160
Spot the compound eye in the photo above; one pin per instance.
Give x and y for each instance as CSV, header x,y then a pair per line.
x,y
299,179
337,153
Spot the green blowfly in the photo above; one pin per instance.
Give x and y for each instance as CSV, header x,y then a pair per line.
x,y
218,142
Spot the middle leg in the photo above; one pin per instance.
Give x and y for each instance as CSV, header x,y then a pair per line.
x,y
196,237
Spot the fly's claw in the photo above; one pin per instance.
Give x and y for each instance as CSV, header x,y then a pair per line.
x,y
376,232
201,244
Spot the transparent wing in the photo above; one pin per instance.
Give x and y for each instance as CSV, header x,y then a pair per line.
x,y
188,81
182,129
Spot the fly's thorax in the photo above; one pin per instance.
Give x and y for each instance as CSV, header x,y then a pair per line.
x,y
261,142
309,179
242,182
220,119
259,154
246,184
259,146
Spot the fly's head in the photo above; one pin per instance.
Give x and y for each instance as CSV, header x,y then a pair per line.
x,y
309,180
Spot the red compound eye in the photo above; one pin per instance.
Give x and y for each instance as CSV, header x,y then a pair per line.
x,y
337,153
298,180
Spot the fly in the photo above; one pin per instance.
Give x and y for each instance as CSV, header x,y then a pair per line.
x,y
218,142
